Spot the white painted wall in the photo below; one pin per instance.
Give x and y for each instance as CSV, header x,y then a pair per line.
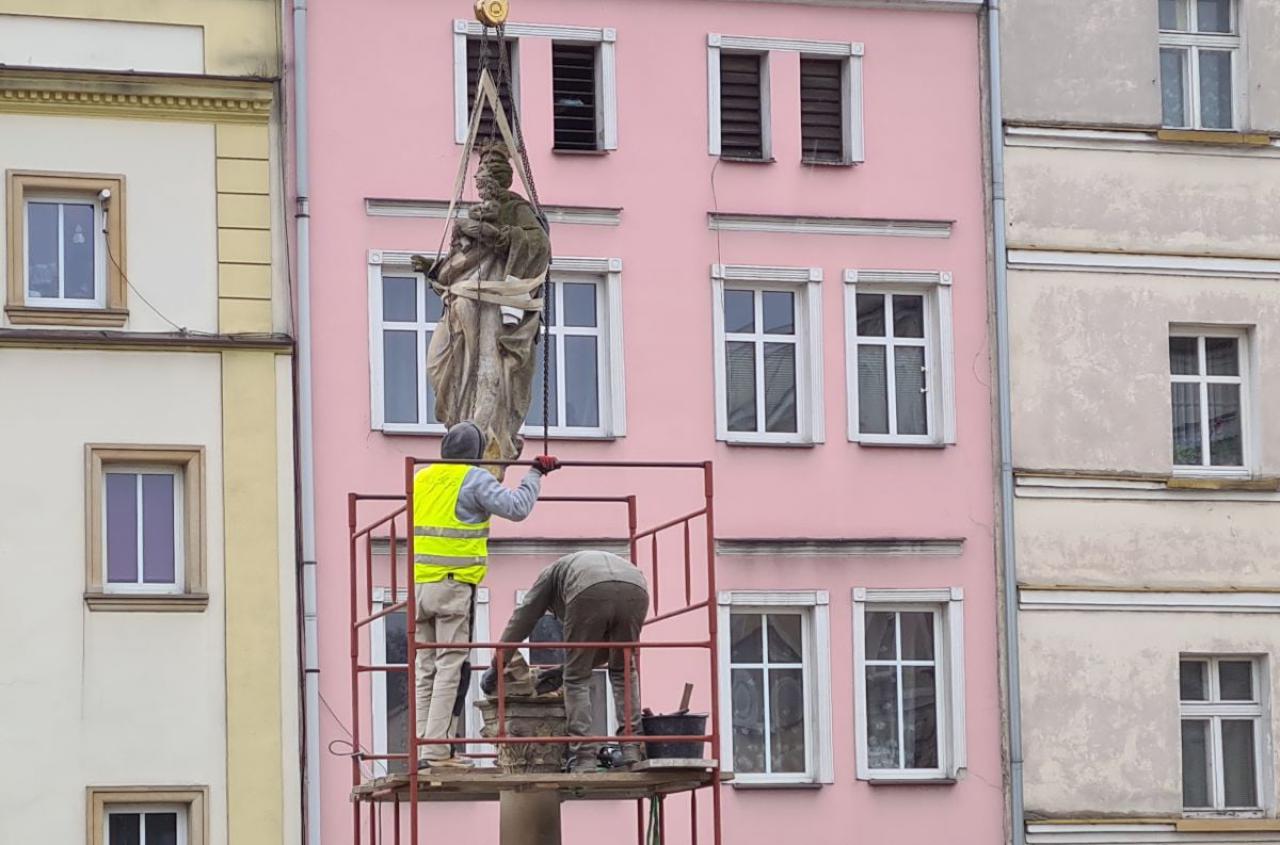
x,y
168,167
94,698
27,41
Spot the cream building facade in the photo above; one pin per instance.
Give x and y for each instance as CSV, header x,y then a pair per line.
x,y
147,622
1142,174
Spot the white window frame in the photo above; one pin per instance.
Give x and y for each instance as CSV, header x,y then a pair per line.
x,y
607,72
854,145
610,709
179,530
611,374
815,607
806,284
939,344
113,809
99,300
1248,448
1191,42
378,682
1215,711
948,602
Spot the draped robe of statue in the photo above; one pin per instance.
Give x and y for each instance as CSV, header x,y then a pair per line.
x,y
482,367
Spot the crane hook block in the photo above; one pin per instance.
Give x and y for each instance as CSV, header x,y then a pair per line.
x,y
491,12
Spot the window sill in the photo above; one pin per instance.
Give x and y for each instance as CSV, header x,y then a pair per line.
x,y
740,160
143,603
907,780
784,444
774,784
813,162
528,436
24,315
563,152
899,444
1218,137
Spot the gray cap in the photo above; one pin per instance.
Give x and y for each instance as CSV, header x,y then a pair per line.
x,y
463,442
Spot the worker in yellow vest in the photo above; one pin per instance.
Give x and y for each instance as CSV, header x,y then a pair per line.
x,y
452,504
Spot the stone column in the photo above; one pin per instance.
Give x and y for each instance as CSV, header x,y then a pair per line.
x,y
529,818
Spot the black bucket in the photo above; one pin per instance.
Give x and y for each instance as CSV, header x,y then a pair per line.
x,y
683,724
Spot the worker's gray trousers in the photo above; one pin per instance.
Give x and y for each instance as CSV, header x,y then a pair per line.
x,y
443,615
612,611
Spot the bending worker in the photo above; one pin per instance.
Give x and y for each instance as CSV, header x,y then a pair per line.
x,y
599,597
452,504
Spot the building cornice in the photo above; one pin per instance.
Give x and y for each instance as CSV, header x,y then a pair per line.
x,y
798,224
1118,486
841,547
1032,598
136,95
1144,264
969,6
1141,139
143,341
439,210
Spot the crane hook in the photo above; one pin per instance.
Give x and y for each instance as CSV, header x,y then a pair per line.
x,y
491,12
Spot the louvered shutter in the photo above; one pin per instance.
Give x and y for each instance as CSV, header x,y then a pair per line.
x,y
740,125
573,92
821,110
487,128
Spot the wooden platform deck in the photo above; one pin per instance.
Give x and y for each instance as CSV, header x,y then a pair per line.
x,y
652,777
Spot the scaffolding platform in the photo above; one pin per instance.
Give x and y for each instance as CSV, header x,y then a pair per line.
x,y
651,778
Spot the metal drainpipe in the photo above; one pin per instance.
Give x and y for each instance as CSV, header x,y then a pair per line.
x,y
1013,687
306,445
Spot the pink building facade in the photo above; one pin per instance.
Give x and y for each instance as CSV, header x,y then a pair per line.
x,y
769,237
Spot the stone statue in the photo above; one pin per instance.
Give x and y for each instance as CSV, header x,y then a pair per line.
x,y
482,356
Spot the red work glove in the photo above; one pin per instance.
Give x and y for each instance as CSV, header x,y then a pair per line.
x,y
546,463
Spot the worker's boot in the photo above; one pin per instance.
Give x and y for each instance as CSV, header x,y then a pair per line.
x,y
632,753
584,762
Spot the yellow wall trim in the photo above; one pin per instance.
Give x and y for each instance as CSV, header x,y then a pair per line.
x,y
148,96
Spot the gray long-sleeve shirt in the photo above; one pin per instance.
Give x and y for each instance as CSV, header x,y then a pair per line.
x,y
482,495
561,582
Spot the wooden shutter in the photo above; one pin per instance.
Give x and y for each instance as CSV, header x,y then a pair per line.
x,y
573,93
488,129
821,109
741,132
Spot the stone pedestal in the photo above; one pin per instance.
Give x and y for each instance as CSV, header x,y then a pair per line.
x,y
528,716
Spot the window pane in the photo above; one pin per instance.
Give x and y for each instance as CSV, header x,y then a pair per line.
x,y
1184,358
162,829
1186,424
917,635
919,717
397,654
158,529
870,315
435,305
739,311
908,316
535,407
77,250
780,387
745,638
1195,762
42,250
873,391
121,491
1235,680
124,829
1215,89
425,385
786,720
882,717
1238,765
786,643
1173,15
1225,445
581,382
400,376
748,720
740,385
1222,356
1213,15
881,641
779,312
1193,680
579,304
547,630
1173,86
909,389
400,299
599,685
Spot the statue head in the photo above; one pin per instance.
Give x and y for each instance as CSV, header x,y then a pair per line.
x,y
493,177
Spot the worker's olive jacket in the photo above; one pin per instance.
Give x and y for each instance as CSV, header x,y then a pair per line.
x,y
563,581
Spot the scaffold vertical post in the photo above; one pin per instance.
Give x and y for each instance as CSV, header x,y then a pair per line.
x,y
411,653
712,626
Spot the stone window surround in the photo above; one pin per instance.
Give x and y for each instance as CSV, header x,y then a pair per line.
x,y
193,799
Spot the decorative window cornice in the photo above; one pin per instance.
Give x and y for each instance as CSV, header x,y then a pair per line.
x,y
136,95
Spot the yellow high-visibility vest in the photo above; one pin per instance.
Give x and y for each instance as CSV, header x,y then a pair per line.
x,y
443,545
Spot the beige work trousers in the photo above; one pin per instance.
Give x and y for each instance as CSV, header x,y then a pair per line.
x,y
443,616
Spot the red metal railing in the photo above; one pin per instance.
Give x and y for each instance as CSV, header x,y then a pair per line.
x,y
387,525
